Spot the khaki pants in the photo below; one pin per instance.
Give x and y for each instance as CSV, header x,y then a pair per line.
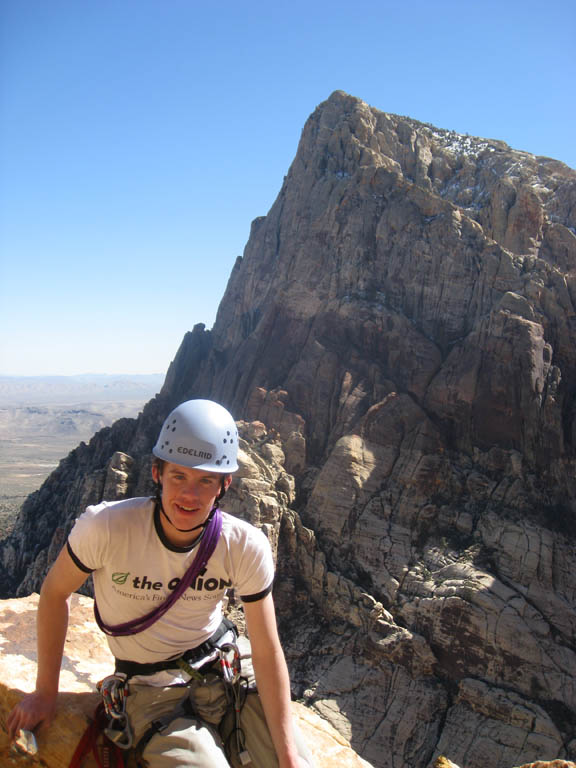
x,y
203,737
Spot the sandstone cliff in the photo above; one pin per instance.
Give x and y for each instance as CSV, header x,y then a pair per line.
x,y
403,323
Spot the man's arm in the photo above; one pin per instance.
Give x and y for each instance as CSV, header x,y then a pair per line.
x,y
52,623
272,678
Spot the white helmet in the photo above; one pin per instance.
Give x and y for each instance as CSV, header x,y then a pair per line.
x,y
199,434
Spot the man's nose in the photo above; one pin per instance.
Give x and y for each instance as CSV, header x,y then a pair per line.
x,y
190,489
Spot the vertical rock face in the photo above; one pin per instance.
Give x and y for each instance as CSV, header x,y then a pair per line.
x,y
402,323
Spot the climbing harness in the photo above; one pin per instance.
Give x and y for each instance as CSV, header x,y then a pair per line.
x,y
111,722
227,666
113,692
194,655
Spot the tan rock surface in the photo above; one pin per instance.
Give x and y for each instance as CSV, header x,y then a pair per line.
x,y
551,764
87,660
443,762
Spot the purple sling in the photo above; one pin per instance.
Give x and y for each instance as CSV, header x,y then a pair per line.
x,y
205,550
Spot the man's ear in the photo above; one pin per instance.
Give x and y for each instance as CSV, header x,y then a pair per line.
x,y
227,481
155,473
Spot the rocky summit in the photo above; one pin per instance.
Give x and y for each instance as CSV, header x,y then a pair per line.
x,y
399,339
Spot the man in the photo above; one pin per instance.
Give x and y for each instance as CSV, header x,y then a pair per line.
x,y
161,567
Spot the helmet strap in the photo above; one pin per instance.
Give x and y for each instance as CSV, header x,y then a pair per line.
x,y
221,494
187,530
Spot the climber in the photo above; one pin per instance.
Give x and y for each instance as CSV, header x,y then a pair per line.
x,y
182,693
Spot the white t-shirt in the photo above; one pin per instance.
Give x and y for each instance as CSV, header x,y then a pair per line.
x,y
135,568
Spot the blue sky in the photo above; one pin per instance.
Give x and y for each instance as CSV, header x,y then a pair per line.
x,y
141,137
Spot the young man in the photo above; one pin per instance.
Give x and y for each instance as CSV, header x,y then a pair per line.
x,y
161,567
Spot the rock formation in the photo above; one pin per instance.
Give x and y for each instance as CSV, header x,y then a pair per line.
x,y
403,325
550,764
443,762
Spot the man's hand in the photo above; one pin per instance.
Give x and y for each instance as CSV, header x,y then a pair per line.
x,y
38,708
35,709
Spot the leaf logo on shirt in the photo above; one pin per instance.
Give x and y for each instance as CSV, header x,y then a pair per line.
x,y
120,578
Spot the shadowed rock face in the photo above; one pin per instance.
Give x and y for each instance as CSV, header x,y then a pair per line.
x,y
403,318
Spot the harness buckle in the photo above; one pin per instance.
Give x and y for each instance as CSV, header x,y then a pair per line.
x,y
189,670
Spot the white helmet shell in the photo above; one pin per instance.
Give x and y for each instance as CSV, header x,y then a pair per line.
x,y
199,434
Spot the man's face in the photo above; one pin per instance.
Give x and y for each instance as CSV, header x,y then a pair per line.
x,y
188,496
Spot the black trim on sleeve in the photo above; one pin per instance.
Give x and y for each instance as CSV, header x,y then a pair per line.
x,y
255,598
77,562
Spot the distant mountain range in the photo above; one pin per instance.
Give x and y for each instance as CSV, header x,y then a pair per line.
x,y
93,387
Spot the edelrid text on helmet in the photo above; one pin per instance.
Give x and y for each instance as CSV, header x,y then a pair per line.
x,y
200,434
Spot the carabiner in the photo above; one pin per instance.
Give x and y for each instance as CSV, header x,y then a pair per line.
x,y
230,671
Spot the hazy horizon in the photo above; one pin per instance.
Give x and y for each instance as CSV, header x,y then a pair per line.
x,y
82,374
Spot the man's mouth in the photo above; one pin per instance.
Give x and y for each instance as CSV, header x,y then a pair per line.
x,y
185,509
